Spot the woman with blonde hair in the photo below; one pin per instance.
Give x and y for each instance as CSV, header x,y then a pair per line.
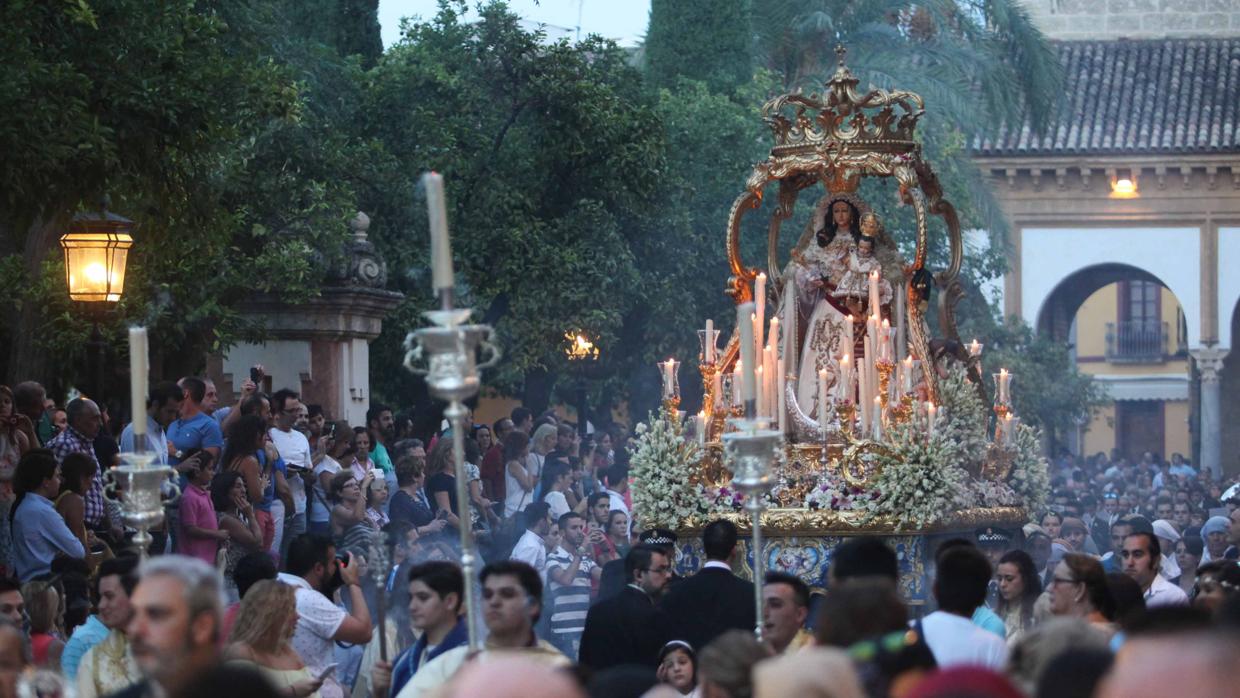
x,y
45,608
262,636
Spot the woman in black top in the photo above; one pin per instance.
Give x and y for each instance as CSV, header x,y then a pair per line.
x,y
408,503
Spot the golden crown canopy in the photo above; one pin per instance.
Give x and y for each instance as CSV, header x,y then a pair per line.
x,y
841,134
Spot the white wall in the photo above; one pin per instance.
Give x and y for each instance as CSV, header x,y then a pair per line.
x,y
285,361
1050,255
1228,280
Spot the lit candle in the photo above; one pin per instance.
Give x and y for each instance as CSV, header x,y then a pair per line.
x,y
441,246
870,385
877,434
1007,429
700,427
822,399
710,341
1002,385
906,374
849,342
669,379
975,347
716,387
138,372
931,418
874,299
884,337
759,295
744,320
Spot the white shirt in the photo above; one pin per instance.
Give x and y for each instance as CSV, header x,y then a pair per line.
x,y
531,550
1164,593
154,441
956,641
558,503
318,619
515,498
294,448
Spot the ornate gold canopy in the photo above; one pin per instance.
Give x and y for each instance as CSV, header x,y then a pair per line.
x,y
835,139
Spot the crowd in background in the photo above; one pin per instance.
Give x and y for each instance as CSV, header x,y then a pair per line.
x,y
296,533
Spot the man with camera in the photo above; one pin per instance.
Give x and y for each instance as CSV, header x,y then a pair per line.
x,y
316,574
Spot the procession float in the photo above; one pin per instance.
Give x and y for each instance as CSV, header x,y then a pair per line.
x,y
831,411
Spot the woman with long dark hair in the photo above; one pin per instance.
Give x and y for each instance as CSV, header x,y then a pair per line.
x,y
1019,589
234,514
246,437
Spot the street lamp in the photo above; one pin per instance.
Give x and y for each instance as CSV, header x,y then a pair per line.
x,y
96,249
581,353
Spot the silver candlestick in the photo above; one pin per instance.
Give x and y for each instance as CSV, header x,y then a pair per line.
x,y
748,452
450,350
142,489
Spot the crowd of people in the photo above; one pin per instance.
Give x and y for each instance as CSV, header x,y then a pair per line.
x,y
310,557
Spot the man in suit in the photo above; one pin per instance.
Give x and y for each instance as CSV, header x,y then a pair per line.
x,y
714,600
628,628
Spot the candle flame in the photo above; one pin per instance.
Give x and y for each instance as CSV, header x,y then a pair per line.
x,y
580,346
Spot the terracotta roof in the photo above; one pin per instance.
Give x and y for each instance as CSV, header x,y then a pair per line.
x,y
1131,97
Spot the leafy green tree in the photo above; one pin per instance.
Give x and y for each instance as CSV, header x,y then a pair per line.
x,y
706,40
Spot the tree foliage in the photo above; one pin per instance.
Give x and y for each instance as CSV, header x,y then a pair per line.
x,y
705,40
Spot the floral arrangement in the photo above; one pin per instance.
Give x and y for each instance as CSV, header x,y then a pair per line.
x,y
963,425
1030,476
991,493
661,466
919,483
832,495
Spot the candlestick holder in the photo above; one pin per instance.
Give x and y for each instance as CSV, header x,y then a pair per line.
x,y
1001,412
902,411
142,489
450,349
748,452
884,369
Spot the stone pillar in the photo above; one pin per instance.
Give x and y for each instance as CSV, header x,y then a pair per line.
x,y
1209,362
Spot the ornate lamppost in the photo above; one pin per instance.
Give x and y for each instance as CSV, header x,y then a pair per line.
x,y
582,353
96,249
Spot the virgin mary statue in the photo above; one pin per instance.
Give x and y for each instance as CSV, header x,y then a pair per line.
x,y
819,261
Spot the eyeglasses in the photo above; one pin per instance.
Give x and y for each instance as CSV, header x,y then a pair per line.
x,y
658,570
1063,580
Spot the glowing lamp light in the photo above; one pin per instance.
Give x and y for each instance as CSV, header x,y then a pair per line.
x,y
1124,188
96,249
580,348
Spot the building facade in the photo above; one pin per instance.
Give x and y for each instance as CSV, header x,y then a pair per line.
x,y
1125,219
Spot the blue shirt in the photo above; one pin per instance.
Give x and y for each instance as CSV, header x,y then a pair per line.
x,y
38,534
987,619
84,637
199,431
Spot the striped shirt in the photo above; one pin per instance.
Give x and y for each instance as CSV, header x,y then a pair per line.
x,y
570,602
73,441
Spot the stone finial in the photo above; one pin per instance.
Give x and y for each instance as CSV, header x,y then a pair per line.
x,y
360,225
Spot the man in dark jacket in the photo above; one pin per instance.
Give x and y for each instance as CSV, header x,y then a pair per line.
x,y
714,600
628,628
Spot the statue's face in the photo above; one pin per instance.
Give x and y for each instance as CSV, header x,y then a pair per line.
x,y
841,214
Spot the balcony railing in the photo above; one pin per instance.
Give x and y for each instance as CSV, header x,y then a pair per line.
x,y
1137,341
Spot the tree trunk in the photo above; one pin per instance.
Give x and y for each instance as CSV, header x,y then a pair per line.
x,y
27,361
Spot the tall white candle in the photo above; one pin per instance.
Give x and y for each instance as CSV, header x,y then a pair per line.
x,y
844,389
849,341
901,338
669,379
710,341
863,401
1003,385
884,335
759,295
931,418
906,374
874,298
700,426
737,380
760,379
138,372
822,399
744,320
716,387
871,385
1007,429
441,246
772,336
877,431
